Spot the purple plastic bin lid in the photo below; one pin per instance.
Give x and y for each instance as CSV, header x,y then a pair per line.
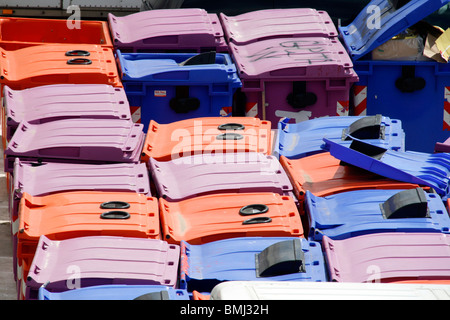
x,y
110,140
175,27
99,260
44,103
223,172
387,257
270,23
443,146
49,177
305,58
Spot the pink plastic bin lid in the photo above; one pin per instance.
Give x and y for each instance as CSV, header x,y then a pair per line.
x,y
94,140
263,24
54,102
293,58
103,260
389,257
170,28
211,173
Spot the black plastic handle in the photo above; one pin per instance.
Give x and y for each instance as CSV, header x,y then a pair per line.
x,y
117,215
115,205
257,220
230,136
253,209
408,82
78,53
231,126
79,61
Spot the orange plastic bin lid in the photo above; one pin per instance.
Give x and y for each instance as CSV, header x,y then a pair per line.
x,y
58,64
220,216
207,135
64,215
17,33
322,174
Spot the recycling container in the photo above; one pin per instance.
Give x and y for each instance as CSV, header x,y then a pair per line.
x,y
206,136
17,33
258,25
299,78
163,31
415,91
76,140
60,101
100,260
220,216
442,146
170,87
202,267
297,140
353,213
389,257
220,173
324,175
117,292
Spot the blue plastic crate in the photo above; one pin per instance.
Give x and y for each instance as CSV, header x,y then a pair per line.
x,y
298,140
421,168
177,86
117,292
250,258
355,213
415,92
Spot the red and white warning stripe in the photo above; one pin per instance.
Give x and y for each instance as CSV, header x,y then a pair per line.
x,y
342,108
251,109
135,114
360,100
447,109
226,111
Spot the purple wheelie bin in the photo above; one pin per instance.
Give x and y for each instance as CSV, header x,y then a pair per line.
x,y
100,260
60,101
172,30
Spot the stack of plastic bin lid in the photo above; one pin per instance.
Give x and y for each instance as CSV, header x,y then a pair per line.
x,y
207,135
250,258
117,292
101,260
401,85
174,30
17,33
220,216
219,173
58,64
354,213
292,71
389,257
60,101
297,140
324,175
431,170
171,87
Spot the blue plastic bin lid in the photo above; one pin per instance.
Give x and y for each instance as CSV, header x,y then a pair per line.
x,y
381,20
117,292
432,170
250,258
297,140
360,212
184,68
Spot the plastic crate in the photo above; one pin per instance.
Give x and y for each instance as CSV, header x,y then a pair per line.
x,y
178,86
293,77
415,92
174,30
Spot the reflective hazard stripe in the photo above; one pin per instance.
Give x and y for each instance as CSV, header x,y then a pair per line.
x,y
342,108
447,109
360,100
135,114
226,111
251,109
